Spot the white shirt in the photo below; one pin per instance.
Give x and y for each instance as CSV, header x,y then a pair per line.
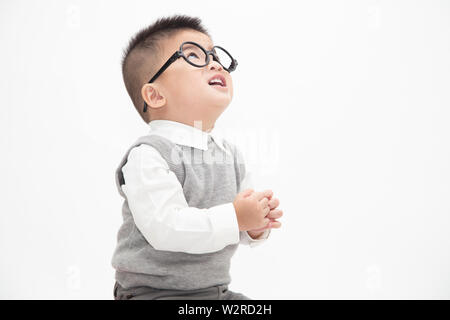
x,y
159,207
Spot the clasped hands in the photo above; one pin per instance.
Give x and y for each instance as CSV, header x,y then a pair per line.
x,y
257,211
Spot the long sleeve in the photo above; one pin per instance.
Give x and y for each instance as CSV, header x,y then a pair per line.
x,y
244,237
162,214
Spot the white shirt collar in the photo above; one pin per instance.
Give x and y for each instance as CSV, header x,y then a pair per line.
x,y
184,134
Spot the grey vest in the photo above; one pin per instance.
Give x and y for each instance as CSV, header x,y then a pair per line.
x,y
205,185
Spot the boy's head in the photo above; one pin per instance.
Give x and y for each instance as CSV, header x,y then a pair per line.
x,y
182,92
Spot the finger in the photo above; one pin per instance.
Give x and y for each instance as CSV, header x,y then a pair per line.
x,y
268,193
265,193
257,195
275,214
275,224
273,203
264,202
272,223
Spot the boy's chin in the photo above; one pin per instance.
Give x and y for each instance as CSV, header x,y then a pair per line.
x,y
220,104
220,100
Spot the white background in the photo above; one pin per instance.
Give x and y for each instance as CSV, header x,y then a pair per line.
x,y
348,106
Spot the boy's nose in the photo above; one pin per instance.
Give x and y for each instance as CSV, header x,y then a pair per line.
x,y
214,64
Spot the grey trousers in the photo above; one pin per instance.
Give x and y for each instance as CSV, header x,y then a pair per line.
x,y
146,293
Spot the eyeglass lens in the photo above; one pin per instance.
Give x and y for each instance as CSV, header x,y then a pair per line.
x,y
197,56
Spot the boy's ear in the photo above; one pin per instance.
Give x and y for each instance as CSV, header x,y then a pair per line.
x,y
152,95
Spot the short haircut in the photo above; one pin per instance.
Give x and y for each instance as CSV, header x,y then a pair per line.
x,y
143,55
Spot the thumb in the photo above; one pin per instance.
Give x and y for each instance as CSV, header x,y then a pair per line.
x,y
246,192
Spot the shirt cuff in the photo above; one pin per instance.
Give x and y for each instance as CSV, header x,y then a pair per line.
x,y
225,224
246,239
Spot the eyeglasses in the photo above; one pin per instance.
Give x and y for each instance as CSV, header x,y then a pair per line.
x,y
197,56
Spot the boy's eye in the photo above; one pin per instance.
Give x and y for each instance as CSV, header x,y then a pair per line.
x,y
192,53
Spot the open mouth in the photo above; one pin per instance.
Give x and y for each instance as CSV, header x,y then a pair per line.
x,y
218,80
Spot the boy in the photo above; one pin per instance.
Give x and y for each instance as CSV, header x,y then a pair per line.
x,y
184,213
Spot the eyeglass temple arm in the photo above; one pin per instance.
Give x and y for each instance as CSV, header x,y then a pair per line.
x,y
174,57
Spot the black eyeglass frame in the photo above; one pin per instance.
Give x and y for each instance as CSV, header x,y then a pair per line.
x,y
179,53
